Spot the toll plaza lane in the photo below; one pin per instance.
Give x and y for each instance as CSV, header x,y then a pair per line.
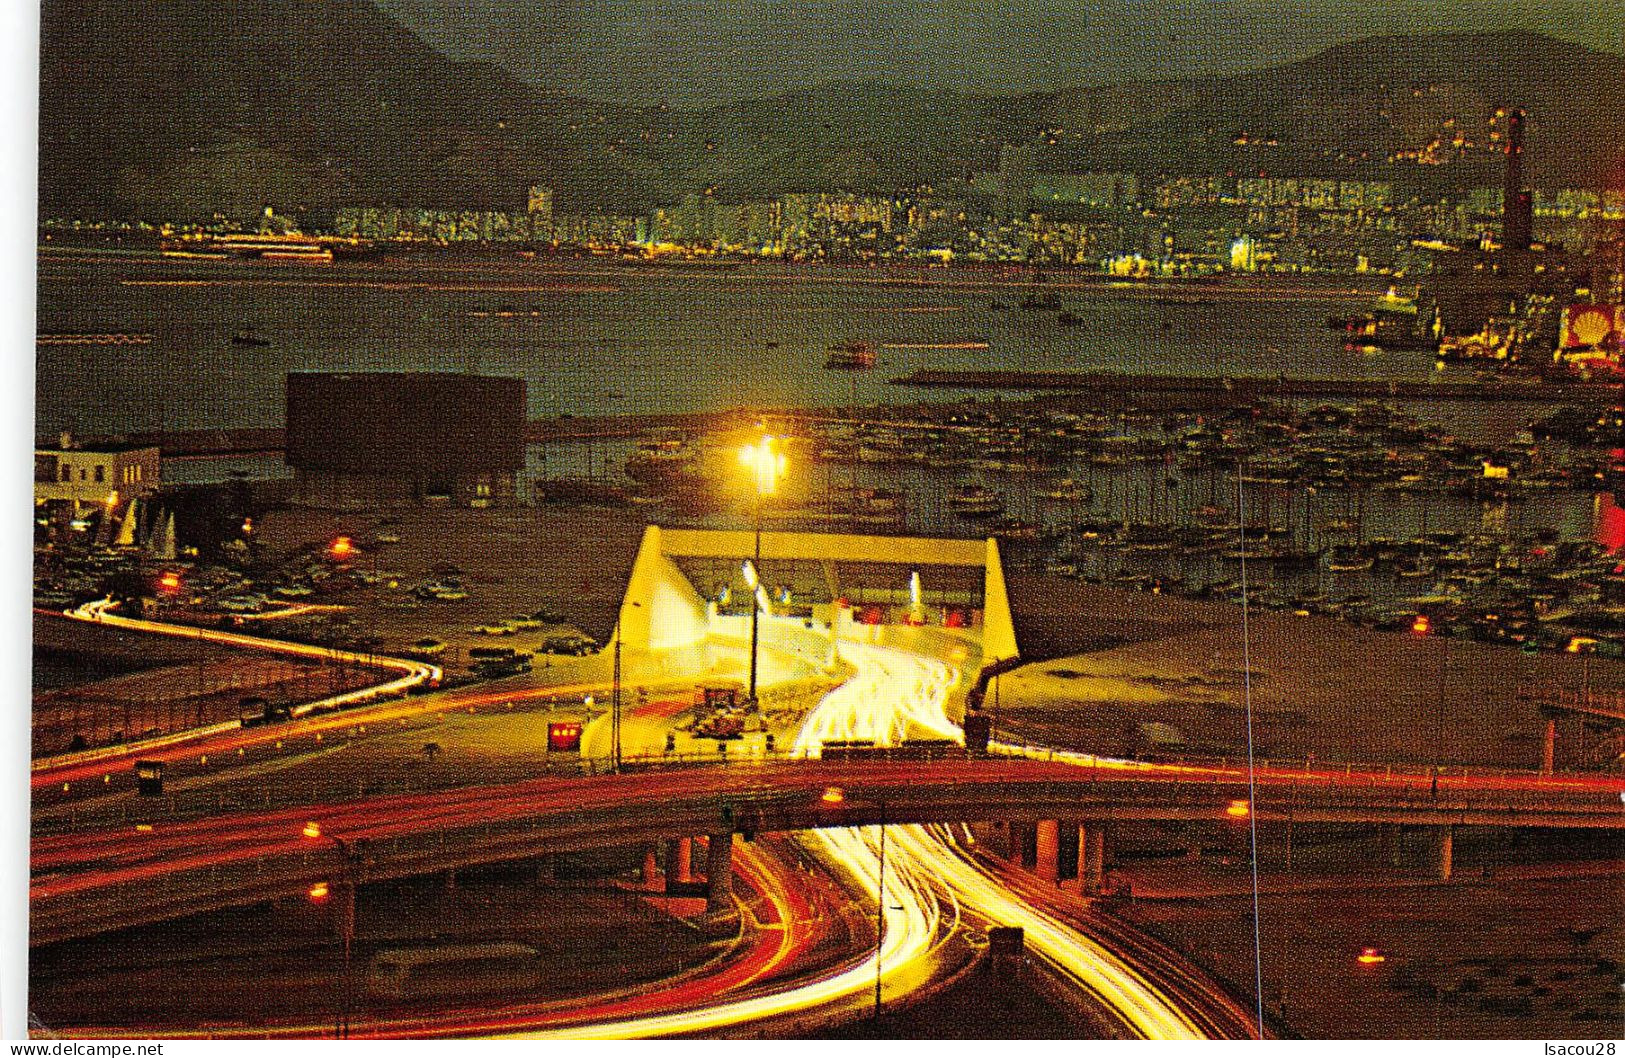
x,y
899,692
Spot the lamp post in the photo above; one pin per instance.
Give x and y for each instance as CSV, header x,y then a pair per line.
x,y
346,913
615,710
615,695
767,466
1423,626
343,552
880,911
834,797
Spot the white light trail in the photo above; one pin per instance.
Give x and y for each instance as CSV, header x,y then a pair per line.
x,y
914,920
895,694
892,696
100,612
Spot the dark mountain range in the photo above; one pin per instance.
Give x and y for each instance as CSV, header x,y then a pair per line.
x,y
1377,97
182,108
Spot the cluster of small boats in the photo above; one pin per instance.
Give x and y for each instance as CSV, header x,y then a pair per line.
x,y
1149,500
1534,591
1366,447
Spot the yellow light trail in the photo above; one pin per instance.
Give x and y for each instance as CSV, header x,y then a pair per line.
x,y
915,925
1138,1002
895,693
891,694
100,612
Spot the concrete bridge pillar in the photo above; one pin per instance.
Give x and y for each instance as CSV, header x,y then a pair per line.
x,y
1548,746
1019,842
719,890
679,860
1049,850
1091,858
1446,851
651,868
1070,845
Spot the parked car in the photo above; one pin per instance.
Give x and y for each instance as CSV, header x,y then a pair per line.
x,y
497,668
575,646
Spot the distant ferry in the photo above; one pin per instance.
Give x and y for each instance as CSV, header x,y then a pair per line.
x,y
1393,323
661,461
706,264
303,248
851,356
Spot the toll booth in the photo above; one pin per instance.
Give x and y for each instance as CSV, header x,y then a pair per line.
x,y
149,778
716,698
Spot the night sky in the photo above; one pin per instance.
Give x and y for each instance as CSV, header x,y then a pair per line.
x,y
691,52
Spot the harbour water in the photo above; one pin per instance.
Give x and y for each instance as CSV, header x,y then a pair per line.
x,y
594,338
591,337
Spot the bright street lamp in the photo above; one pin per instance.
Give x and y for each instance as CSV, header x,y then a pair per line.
x,y
345,913
767,466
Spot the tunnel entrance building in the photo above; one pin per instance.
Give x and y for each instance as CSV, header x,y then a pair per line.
x,y
684,580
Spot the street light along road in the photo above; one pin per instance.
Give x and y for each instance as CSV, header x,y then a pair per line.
x,y
767,466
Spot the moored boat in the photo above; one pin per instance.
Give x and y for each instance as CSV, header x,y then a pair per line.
x,y
851,356
975,501
660,461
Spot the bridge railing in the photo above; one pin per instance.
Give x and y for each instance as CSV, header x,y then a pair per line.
x,y
508,828
1360,771
293,791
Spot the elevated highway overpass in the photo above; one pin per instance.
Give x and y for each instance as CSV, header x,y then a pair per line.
x,y
92,881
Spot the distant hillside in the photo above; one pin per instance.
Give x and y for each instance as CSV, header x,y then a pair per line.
x,y
179,108
183,105
1383,94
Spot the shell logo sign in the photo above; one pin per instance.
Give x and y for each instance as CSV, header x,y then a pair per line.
x,y
1595,326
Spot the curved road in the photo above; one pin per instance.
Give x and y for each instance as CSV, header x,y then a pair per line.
x,y
929,879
